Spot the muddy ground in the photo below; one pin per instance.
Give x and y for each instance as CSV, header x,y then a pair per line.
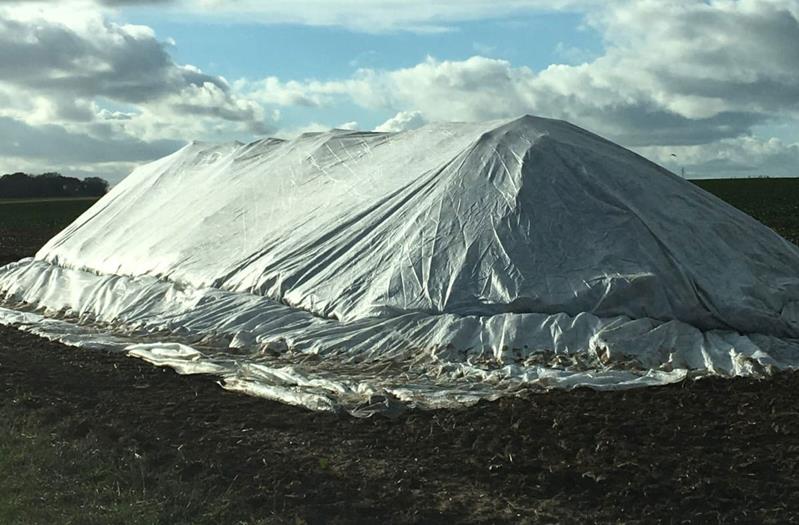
x,y
110,439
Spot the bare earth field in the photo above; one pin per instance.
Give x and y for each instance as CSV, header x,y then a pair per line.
x,y
88,437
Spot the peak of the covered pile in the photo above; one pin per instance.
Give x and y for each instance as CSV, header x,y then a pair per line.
x,y
505,129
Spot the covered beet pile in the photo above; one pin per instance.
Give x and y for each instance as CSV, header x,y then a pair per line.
x,y
429,267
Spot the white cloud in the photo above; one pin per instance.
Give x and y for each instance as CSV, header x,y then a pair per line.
x,y
402,121
676,72
573,55
272,90
296,131
314,127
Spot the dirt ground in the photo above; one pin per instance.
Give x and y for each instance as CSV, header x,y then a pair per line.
x,y
707,451
106,430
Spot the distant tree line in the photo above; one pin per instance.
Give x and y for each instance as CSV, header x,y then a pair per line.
x,y
50,185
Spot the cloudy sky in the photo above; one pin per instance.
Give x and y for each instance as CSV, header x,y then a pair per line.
x,y
95,87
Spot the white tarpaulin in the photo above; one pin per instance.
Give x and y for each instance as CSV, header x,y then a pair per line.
x,y
435,266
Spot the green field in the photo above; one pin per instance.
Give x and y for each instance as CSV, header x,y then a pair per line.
x,y
41,213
